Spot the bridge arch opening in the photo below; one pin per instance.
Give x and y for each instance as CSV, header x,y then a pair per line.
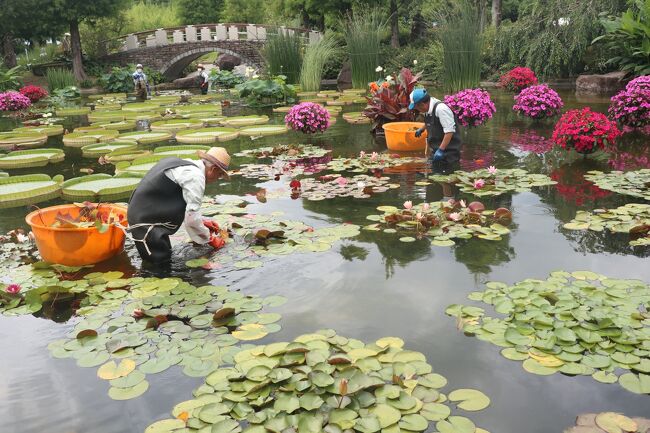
x,y
173,68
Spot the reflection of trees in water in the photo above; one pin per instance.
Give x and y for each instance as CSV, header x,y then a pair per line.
x,y
573,193
479,255
352,252
396,253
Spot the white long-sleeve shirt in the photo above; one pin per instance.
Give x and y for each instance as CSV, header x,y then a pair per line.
x,y
191,178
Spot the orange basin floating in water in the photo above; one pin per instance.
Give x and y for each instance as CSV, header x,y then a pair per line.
x,y
401,136
75,246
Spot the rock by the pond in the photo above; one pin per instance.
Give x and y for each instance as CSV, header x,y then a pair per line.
x,y
586,423
344,79
227,62
604,83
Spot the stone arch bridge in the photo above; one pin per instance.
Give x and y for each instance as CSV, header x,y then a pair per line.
x,y
170,50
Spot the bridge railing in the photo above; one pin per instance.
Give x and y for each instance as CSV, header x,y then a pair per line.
x,y
206,32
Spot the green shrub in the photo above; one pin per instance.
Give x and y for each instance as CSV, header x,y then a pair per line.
x,y
363,34
86,84
283,55
627,38
334,65
313,64
58,78
118,80
225,79
149,15
266,92
10,79
428,57
64,97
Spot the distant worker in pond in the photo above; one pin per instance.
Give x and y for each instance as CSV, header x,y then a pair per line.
x,y
203,79
140,83
443,135
170,194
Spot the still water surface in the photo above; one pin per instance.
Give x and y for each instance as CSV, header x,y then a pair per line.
x,y
367,287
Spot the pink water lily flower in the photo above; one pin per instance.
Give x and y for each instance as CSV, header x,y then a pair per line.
x,y
342,181
479,183
426,206
374,156
455,216
408,204
362,154
492,169
463,204
12,288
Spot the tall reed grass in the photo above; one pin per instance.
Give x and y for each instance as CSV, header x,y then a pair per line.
x,y
363,34
461,41
283,54
313,64
58,78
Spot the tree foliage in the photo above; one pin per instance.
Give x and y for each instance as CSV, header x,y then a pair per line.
x,y
199,11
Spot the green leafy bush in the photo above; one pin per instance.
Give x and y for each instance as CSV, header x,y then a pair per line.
x,y
428,60
265,92
64,97
225,79
58,78
118,80
10,78
628,38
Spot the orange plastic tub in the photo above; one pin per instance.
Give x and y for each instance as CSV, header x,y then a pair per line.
x,y
401,136
75,246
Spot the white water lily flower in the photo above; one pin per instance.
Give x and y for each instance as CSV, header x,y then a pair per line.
x,y
361,185
379,69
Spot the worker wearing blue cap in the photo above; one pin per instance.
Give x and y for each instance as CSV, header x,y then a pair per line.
x,y
441,127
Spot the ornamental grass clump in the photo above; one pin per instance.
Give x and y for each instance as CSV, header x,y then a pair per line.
x,y
13,101
34,93
631,107
472,107
518,79
308,118
538,102
585,131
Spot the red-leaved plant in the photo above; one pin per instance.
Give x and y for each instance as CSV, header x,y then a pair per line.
x,y
389,100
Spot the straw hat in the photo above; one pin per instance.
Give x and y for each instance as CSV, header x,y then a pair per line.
x,y
216,156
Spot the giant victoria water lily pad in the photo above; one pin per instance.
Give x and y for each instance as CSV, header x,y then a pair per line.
x,y
31,158
100,187
106,116
633,218
443,221
146,137
74,111
79,139
207,135
123,125
148,116
143,106
578,323
143,164
197,108
484,182
324,382
263,130
49,130
179,151
356,118
239,121
137,326
30,189
634,183
173,125
100,149
12,140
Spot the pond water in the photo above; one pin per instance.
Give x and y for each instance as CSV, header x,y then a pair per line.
x,y
366,287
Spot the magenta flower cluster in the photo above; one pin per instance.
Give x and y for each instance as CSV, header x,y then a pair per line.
x,y
472,107
308,118
631,106
13,101
538,102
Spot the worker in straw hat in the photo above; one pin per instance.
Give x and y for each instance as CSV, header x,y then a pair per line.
x,y
170,194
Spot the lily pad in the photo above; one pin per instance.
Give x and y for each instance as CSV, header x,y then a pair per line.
x,y
100,187
207,135
30,158
29,189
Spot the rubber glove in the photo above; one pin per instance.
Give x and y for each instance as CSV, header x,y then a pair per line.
x,y
211,225
419,132
216,242
439,155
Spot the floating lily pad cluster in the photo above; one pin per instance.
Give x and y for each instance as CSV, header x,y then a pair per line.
x,y
258,236
633,218
609,422
442,222
286,152
330,186
274,171
634,183
487,182
132,327
326,382
211,206
373,161
579,323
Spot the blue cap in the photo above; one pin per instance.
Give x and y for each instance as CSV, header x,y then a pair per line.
x,y
417,95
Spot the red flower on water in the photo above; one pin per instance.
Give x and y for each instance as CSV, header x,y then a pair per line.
x,y
295,184
12,288
585,131
34,93
517,79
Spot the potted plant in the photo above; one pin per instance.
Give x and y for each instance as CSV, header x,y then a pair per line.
x,y
585,131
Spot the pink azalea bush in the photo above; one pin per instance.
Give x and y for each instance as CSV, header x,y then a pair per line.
x,y
631,106
538,102
13,101
308,118
472,107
